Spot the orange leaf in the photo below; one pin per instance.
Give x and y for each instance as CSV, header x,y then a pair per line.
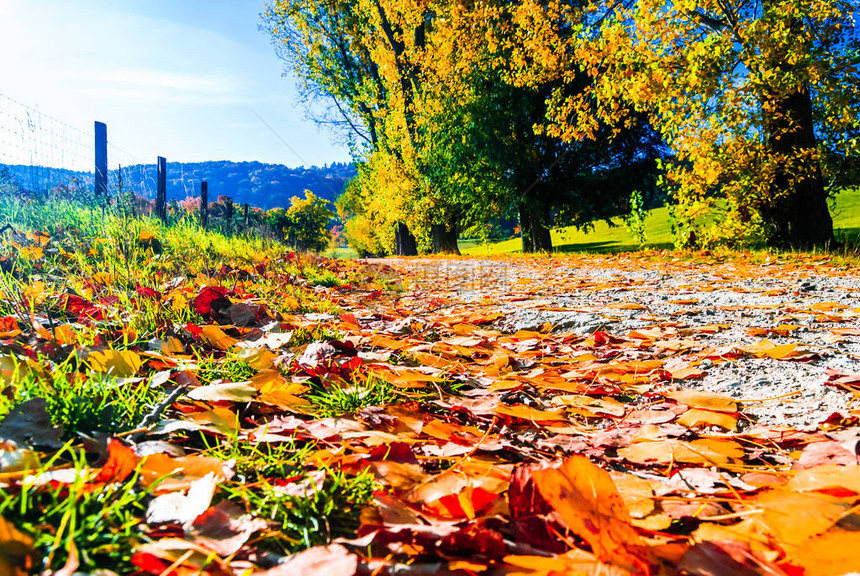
x,y
179,473
588,502
120,463
704,400
695,417
528,413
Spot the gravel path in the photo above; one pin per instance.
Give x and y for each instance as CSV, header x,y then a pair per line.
x,y
710,306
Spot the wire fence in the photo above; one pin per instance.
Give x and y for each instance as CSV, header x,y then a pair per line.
x,y
39,154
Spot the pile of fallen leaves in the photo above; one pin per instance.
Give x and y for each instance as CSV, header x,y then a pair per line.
x,y
402,432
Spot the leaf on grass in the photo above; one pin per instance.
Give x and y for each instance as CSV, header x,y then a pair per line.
x,y
9,327
179,473
407,377
224,528
588,502
229,391
120,463
29,424
117,363
17,557
203,300
183,508
178,557
215,337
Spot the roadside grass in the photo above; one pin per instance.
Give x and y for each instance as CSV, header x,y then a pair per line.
x,y
615,238
140,278
311,510
78,403
98,527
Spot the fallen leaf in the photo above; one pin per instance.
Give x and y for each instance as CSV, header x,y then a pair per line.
x,y
586,499
332,560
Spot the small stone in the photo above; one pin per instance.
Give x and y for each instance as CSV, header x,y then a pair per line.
x,y
706,363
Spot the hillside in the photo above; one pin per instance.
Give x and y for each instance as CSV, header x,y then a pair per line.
x,y
259,184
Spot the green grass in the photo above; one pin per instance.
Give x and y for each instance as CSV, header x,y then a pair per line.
x,y
80,403
606,238
101,526
339,398
341,253
314,518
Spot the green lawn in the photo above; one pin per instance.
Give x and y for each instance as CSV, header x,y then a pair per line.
x,y
605,238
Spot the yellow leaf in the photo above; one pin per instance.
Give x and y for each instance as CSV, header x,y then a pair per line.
x,y
825,477
528,413
834,552
119,363
216,337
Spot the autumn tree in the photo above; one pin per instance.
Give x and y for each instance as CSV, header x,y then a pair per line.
x,y
304,225
758,101
500,115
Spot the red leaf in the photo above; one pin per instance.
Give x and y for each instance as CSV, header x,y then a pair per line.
x,y
148,292
533,519
203,300
472,540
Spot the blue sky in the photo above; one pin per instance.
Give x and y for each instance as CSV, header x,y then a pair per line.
x,y
184,79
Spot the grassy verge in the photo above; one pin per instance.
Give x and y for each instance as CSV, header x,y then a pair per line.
x,y
606,238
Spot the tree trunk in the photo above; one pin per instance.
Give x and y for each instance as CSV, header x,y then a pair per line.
x,y
534,228
798,212
444,239
404,241
526,230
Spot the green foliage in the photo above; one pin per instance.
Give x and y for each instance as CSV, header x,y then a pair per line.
x,y
256,461
313,515
305,222
102,526
230,369
634,221
339,398
81,403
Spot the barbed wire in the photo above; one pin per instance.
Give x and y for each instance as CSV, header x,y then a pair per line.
x,y
41,152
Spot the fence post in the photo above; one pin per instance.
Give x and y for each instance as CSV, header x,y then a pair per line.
x,y
161,192
229,202
101,160
246,214
204,203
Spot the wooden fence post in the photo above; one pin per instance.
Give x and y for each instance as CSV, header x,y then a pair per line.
x,y
161,193
229,202
204,203
101,160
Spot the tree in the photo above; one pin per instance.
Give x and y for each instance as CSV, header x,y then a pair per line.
x,y
758,102
456,138
306,222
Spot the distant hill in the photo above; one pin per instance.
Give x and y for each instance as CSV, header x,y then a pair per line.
x,y
258,184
